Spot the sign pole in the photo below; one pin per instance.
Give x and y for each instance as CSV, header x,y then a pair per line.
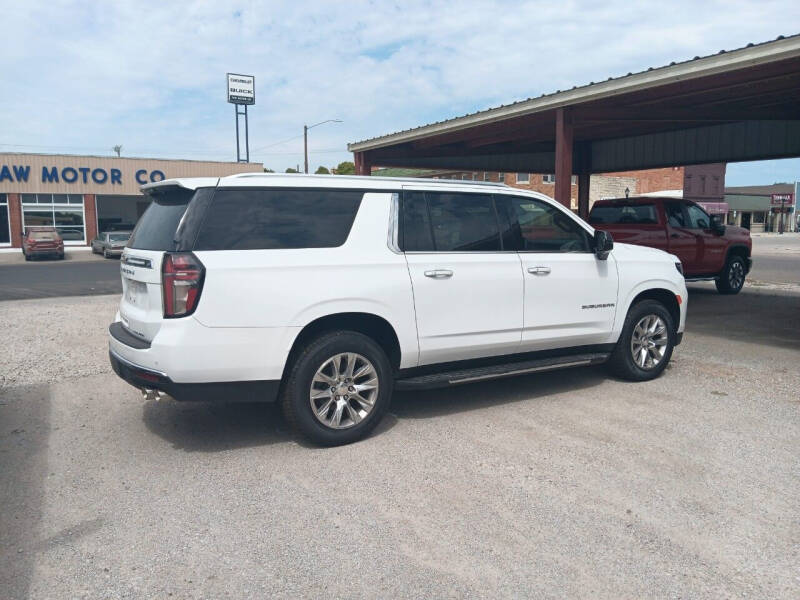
x,y
246,136
241,93
236,110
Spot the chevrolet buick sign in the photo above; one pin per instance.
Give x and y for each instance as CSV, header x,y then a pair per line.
x,y
241,89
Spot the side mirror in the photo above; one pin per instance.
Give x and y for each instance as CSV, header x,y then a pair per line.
x,y
603,244
717,226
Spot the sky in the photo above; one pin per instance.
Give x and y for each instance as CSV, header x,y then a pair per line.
x,y
80,77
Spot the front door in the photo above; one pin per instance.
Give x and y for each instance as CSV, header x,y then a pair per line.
x,y
570,295
467,288
682,241
711,247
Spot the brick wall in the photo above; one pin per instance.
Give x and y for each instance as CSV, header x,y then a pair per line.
x,y
15,220
90,216
611,186
654,180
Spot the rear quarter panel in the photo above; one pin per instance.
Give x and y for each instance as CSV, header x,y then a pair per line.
x,y
291,288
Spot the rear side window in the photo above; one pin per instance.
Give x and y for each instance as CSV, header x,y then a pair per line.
x,y
449,222
156,229
278,219
612,214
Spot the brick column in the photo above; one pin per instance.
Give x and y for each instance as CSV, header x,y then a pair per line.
x,y
90,217
15,220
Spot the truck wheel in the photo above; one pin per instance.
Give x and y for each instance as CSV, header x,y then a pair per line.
x,y
338,389
645,344
731,279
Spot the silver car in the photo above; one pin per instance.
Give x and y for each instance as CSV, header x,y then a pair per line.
x,y
110,243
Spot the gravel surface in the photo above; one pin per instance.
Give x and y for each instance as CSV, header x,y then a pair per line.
x,y
53,339
565,484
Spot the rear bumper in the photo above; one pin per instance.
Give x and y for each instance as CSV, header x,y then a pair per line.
x,y
235,391
45,252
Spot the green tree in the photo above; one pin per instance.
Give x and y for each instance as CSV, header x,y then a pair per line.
x,y
291,170
322,171
266,170
346,168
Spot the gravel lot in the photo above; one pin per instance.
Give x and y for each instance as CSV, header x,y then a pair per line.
x,y
567,484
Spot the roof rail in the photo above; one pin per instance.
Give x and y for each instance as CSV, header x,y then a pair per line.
x,y
425,180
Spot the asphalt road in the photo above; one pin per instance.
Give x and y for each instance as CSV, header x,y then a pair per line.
x,y
51,278
566,484
776,259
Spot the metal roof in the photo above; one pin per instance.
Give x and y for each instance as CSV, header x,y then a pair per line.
x,y
750,55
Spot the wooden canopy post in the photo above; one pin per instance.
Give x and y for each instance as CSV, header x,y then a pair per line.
x,y
584,170
563,157
362,162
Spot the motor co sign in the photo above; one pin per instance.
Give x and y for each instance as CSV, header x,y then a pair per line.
x,y
241,89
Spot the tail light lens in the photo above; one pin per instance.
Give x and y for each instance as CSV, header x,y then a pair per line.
x,y
181,283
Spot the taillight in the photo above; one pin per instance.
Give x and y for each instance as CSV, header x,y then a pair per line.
x,y
181,281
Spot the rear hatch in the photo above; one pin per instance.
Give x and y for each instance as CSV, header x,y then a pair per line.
x,y
141,309
44,240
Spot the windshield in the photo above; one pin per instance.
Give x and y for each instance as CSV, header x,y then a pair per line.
x,y
156,229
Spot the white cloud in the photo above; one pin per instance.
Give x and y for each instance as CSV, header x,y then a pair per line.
x,y
150,75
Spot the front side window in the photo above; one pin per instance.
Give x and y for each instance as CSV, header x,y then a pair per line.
x,y
544,228
698,219
278,219
675,214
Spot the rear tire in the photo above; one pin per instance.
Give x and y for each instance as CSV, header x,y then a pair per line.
x,y
644,349
731,279
320,364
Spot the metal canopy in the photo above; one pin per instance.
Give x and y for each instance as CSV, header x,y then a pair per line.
x,y
733,106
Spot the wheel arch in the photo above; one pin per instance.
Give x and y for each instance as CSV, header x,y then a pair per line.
x,y
664,296
371,325
737,250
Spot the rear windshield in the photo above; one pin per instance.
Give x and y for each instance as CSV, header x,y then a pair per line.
x,y
44,235
156,229
118,237
273,219
609,214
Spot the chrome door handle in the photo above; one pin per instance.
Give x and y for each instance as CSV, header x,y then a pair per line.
x,y
439,273
539,270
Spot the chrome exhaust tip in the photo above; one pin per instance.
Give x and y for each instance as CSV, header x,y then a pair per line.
x,y
149,394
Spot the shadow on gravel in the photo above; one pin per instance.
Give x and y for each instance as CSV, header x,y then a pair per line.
x,y
213,427
24,433
475,396
759,317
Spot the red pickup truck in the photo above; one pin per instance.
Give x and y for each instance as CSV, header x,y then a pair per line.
x,y
707,249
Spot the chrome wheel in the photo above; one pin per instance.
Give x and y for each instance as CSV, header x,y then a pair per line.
x,y
649,342
736,275
344,390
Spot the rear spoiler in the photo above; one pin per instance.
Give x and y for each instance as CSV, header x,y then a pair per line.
x,y
185,183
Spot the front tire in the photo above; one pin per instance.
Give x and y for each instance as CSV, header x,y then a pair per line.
x,y
338,389
731,279
645,345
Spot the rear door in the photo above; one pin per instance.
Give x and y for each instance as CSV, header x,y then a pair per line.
x,y
141,309
467,287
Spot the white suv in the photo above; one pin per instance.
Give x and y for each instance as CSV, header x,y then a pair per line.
x,y
330,292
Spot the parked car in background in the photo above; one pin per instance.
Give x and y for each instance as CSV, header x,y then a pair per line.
x,y
327,293
42,241
110,243
707,249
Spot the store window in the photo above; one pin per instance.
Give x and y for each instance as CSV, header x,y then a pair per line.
x,y
523,177
5,224
62,211
759,217
549,178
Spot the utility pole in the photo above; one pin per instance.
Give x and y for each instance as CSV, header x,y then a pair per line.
x,y
305,138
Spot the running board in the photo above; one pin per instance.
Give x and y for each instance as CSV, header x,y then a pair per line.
x,y
447,378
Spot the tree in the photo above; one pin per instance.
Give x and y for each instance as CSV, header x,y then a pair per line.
x,y
322,171
117,149
345,168
266,170
291,170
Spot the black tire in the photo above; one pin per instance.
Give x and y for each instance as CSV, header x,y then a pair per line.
x,y
296,391
731,279
105,253
27,256
622,363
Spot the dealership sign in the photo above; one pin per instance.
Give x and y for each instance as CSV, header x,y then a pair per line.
x,y
241,89
781,199
77,175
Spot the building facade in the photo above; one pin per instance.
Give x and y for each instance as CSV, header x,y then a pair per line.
x,y
769,208
84,195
